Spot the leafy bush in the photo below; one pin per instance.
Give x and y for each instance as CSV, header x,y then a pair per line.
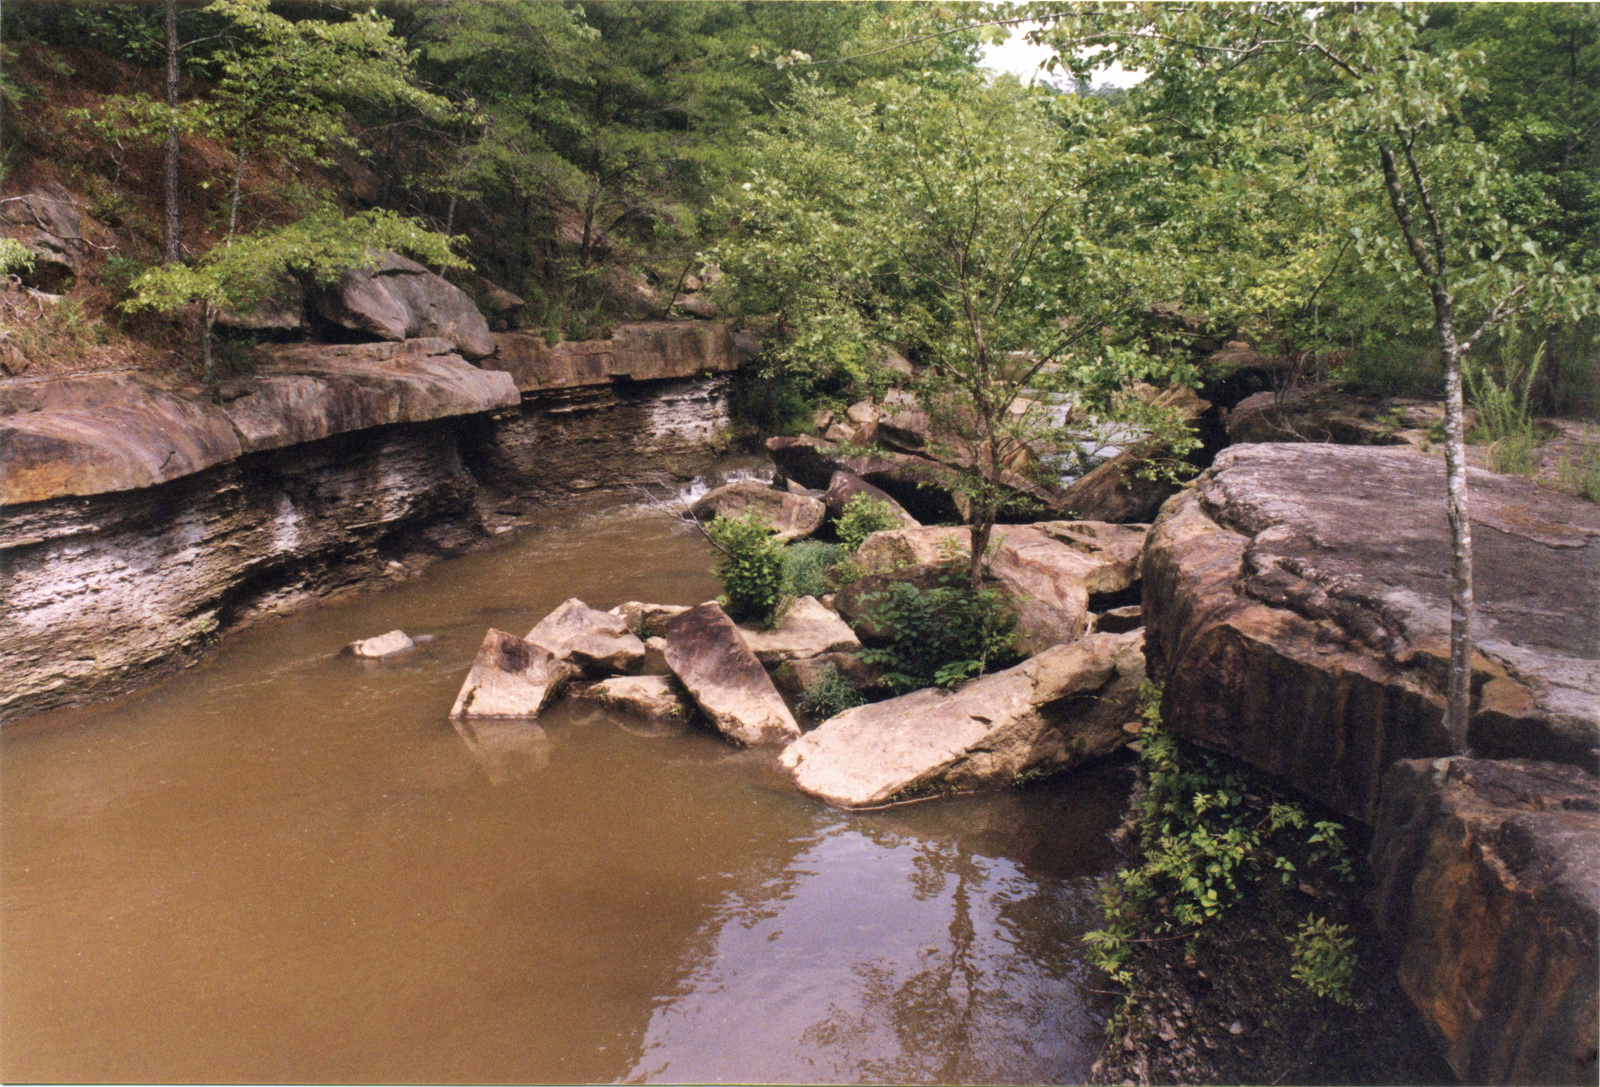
x,y
806,565
751,565
1505,419
939,636
15,258
831,694
1323,962
862,516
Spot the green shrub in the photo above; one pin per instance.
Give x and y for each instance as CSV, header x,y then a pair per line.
x,y
862,516
939,636
751,566
1505,418
1323,959
806,565
831,694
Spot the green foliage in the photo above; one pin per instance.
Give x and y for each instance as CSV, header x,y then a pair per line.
x,y
751,566
1324,959
862,516
1505,421
806,565
1207,835
15,258
830,695
940,636
773,402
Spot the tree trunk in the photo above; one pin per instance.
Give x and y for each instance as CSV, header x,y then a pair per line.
x,y
171,247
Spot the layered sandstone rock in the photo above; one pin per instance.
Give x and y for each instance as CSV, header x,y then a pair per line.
x,y
1051,712
647,351
511,677
1297,608
805,629
1487,879
589,638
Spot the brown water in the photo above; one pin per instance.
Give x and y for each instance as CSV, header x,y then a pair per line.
x,y
283,865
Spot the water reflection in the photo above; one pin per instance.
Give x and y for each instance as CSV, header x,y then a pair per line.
x,y
899,948
284,866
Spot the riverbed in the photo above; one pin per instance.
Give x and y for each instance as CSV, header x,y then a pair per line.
x,y
288,865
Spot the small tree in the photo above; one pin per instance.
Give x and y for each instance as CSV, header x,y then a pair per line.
x,y
1358,81
953,225
320,246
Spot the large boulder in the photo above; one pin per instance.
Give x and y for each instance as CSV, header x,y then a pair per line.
x,y
398,299
1487,881
510,677
926,489
1053,711
806,629
50,223
1296,600
591,639
791,516
648,620
708,654
844,486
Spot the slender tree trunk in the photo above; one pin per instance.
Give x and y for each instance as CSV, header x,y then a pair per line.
x,y
1431,262
171,249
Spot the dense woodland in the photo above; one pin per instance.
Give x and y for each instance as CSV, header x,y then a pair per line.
x,y
1405,199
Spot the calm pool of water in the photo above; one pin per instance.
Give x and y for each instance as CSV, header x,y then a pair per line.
x,y
283,865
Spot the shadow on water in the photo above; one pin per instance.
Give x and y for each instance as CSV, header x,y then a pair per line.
x,y
283,865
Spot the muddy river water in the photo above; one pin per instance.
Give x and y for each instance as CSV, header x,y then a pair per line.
x,y
283,865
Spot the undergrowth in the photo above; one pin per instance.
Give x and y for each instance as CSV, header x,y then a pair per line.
x,y
1208,837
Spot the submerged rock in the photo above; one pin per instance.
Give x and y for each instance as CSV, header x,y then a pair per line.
x,y
657,700
1053,711
589,638
511,677
384,645
1487,880
706,651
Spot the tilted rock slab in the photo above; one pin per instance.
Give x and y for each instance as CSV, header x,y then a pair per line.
x,y
806,629
706,651
1060,708
792,516
1296,601
589,638
511,677
1487,879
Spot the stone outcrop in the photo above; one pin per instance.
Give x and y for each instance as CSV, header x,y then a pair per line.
x,y
96,433
792,516
593,640
50,223
647,351
648,620
1487,880
511,677
806,629
391,644
1053,711
708,654
1296,606
398,299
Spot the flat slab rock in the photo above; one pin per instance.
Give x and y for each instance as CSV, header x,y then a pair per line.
x,y
1062,707
708,654
589,638
792,516
1309,584
806,629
